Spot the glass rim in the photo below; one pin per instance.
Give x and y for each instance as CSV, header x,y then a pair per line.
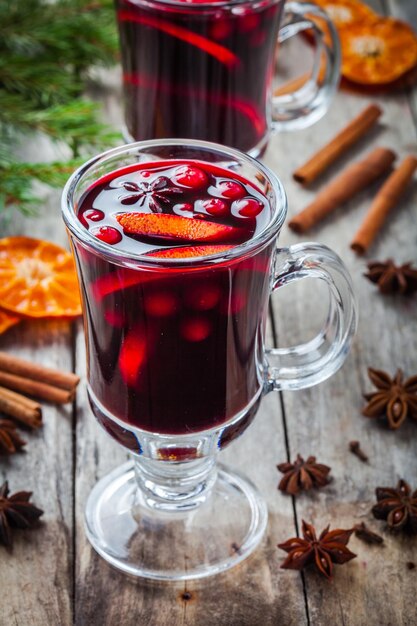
x,y
209,4
122,257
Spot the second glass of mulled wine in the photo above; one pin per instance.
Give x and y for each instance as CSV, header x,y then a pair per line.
x,y
204,69
176,253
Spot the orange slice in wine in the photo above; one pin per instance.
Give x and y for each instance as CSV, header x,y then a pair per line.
x,y
37,279
176,228
188,252
378,53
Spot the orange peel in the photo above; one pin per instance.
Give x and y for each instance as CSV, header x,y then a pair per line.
x,y
378,53
37,279
345,13
7,320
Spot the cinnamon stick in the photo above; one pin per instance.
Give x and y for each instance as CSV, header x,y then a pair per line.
x,y
34,371
351,181
384,201
292,85
17,397
327,155
9,406
35,388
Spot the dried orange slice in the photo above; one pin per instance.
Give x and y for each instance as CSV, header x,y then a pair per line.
x,y
7,320
37,279
378,53
346,12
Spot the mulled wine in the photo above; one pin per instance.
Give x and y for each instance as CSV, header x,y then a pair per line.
x,y
174,344
196,69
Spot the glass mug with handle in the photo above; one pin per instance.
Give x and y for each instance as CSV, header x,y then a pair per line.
x,y
176,249
204,69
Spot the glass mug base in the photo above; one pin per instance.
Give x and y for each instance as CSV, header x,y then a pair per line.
x,y
177,545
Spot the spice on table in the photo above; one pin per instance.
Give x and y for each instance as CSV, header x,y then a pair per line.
x,y
302,475
355,448
386,198
10,440
346,138
37,279
411,565
19,410
391,278
15,512
395,399
398,506
377,51
35,388
345,13
330,547
366,534
353,179
15,365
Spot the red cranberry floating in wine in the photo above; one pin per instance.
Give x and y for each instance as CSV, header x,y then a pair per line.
x,y
94,215
213,206
247,207
190,176
109,235
230,189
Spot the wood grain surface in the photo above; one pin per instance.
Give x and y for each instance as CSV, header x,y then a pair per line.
x,y
53,577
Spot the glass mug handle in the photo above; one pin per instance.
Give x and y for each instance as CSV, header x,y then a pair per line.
x,y
308,103
310,363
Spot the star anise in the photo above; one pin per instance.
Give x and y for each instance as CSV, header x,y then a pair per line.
x,y
395,398
15,512
154,195
329,548
10,440
302,475
398,506
392,278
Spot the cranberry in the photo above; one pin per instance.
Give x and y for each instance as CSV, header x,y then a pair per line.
x,y
114,318
203,297
160,304
183,208
190,176
220,29
248,22
213,206
94,215
230,189
246,207
108,234
195,328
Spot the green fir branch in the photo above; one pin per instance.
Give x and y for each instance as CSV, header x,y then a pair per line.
x,y
46,52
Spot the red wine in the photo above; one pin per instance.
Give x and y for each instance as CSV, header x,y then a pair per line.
x,y
198,71
174,348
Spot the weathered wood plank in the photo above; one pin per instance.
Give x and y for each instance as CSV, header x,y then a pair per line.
x,y
36,579
406,10
324,419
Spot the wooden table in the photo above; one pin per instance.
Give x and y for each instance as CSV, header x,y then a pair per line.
x,y
54,577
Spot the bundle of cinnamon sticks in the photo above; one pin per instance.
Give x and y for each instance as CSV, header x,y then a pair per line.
x,y
20,378
353,179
